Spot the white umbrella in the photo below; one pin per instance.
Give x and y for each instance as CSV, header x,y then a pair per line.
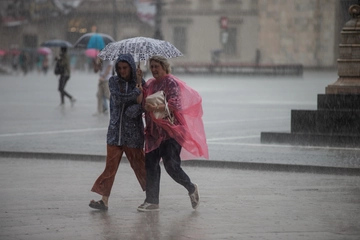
x,y
141,48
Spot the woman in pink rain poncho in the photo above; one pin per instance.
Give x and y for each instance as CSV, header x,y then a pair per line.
x,y
183,139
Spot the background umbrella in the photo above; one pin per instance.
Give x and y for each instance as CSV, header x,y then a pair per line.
x,y
141,48
56,43
96,42
93,40
91,52
44,50
2,52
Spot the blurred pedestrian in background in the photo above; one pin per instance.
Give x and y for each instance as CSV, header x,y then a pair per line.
x,y
45,64
167,140
39,63
24,61
126,130
64,66
105,69
15,63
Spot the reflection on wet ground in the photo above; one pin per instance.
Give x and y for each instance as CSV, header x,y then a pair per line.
x,y
48,199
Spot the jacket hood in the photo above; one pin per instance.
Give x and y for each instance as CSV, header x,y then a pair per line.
x,y
130,60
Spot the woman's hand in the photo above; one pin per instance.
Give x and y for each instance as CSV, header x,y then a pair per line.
x,y
138,86
139,75
140,97
149,107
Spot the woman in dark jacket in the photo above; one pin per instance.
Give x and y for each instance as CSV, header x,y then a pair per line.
x,y
63,61
126,129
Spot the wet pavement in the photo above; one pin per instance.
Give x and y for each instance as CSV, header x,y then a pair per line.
x,y
236,110
50,157
48,199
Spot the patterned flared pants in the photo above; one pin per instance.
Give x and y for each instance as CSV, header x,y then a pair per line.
x,y
136,158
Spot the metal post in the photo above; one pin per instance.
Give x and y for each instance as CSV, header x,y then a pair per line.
x,y
114,20
158,16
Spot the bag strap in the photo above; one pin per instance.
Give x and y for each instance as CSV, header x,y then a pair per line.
x,y
167,110
166,105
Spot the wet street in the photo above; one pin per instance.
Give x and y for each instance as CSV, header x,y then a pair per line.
x,y
236,110
248,190
48,199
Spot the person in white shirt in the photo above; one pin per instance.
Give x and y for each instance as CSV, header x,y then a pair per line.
x,y
103,94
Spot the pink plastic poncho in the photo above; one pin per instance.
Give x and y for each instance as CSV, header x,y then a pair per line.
x,y
188,129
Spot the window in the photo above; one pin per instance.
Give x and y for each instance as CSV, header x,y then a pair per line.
x,y
230,47
180,39
232,5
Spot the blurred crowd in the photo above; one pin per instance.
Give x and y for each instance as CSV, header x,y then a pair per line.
x,y
41,60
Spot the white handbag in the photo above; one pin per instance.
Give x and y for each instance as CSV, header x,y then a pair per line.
x,y
157,99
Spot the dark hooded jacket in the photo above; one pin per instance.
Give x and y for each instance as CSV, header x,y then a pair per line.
x,y
126,126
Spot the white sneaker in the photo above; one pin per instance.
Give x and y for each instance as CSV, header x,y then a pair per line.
x,y
148,207
195,197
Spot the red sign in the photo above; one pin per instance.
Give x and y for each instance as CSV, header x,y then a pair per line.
x,y
224,22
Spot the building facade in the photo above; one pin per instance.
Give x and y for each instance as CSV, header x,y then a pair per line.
x,y
302,32
256,31
263,32
204,28
45,20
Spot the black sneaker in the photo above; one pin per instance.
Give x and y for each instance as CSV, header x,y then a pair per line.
x,y
98,205
195,197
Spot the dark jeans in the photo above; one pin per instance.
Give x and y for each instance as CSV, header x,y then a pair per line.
x,y
62,82
169,151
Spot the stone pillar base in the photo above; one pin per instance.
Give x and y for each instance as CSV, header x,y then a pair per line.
x,y
335,123
344,86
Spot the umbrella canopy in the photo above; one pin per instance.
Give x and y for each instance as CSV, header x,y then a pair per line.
x,y
96,42
44,50
56,43
141,48
93,40
2,52
91,52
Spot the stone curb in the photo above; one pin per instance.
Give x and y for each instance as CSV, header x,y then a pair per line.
x,y
198,163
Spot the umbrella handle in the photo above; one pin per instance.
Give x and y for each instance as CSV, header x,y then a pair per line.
x,y
137,80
